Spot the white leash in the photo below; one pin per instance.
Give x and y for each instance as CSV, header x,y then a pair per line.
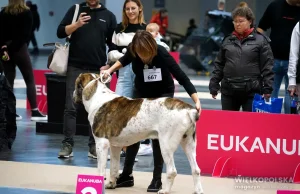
x,y
99,78
108,78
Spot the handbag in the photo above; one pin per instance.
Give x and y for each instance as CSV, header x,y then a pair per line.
x,y
274,105
58,59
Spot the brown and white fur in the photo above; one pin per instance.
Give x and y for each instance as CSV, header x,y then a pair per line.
x,y
118,121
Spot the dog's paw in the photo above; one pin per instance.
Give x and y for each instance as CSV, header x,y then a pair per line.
x,y
198,191
162,192
110,185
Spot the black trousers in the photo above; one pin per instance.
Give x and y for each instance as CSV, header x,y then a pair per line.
x,y
132,150
8,127
22,60
70,112
236,101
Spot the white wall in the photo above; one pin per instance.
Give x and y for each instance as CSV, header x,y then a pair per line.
x,y
116,7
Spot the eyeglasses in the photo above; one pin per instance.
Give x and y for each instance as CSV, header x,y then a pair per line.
x,y
239,22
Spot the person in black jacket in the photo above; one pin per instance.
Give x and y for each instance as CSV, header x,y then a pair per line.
x,y
280,17
16,24
87,53
35,25
244,64
153,66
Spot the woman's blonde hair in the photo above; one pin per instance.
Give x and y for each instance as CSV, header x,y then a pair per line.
x,y
15,7
144,44
125,20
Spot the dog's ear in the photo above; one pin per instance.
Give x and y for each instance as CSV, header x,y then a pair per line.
x,y
90,90
78,89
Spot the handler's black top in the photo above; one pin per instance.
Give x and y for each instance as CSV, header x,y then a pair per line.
x,y
168,66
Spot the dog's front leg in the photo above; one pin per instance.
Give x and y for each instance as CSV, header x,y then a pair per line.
x,y
102,146
114,166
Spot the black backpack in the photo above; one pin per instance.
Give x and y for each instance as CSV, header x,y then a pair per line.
x,y
8,127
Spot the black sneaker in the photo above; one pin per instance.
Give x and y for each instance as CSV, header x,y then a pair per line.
x,y
92,152
36,115
18,117
66,151
154,186
125,181
4,146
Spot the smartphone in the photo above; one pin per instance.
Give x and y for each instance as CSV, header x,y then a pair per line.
x,y
87,10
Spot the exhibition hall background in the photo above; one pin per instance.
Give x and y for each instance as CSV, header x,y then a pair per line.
x,y
179,13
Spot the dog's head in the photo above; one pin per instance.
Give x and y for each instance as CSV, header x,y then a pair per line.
x,y
81,91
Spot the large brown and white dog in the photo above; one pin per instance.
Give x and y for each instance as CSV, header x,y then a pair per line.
x,y
118,121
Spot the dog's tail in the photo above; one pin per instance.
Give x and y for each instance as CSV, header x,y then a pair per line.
x,y
194,114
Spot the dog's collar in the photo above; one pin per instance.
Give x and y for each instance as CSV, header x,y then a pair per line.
x,y
97,79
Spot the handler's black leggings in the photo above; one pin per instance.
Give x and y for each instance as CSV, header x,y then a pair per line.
x,y
22,60
132,150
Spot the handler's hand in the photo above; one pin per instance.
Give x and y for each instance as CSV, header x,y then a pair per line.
x,y
106,73
5,57
198,107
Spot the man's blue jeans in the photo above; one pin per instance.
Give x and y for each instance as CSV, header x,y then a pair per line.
x,y
280,70
125,83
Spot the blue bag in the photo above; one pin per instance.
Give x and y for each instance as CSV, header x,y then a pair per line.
x,y
260,105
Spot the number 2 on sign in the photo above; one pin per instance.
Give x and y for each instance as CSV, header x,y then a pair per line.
x,y
152,75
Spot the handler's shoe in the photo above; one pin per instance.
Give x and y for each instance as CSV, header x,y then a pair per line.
x,y
125,180
92,152
154,186
66,151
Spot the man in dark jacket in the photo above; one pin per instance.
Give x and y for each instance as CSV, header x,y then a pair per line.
x,y
35,26
87,53
281,16
244,64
